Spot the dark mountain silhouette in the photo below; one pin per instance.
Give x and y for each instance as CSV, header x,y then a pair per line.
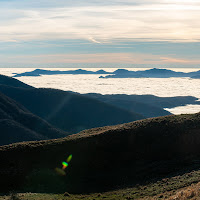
x,y
73,112
151,73
146,105
196,77
119,73
139,105
105,158
18,124
6,80
161,73
196,73
124,75
69,111
38,72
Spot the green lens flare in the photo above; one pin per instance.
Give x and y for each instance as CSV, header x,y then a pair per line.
x,y
65,164
69,158
62,172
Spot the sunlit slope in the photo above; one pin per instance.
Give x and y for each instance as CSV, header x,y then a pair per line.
x,y
105,158
18,124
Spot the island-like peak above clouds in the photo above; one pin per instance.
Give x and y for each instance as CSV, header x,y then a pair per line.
x,y
38,72
150,73
119,73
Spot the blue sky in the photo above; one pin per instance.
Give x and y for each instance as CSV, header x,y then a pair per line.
x,y
129,33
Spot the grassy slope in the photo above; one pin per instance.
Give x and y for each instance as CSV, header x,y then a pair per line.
x,y
183,187
106,158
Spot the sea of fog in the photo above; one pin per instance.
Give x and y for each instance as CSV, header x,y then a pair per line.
x,y
162,87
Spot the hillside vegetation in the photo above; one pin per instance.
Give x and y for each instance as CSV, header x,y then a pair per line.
x,y
181,187
105,158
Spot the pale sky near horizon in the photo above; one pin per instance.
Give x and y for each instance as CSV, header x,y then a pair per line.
x,y
126,32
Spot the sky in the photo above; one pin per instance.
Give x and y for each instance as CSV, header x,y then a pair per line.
x,y
91,33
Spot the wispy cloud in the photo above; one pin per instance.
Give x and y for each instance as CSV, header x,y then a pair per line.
x,y
93,40
179,60
139,20
93,31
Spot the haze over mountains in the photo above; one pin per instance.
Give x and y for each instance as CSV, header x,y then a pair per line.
x,y
119,73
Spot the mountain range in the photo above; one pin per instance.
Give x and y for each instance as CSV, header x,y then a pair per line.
x,y
151,73
119,73
146,105
73,112
68,111
38,72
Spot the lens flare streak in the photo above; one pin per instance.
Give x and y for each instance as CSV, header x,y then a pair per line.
x,y
62,172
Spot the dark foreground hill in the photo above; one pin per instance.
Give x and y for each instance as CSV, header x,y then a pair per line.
x,y
69,111
17,124
149,100
5,80
146,105
104,158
